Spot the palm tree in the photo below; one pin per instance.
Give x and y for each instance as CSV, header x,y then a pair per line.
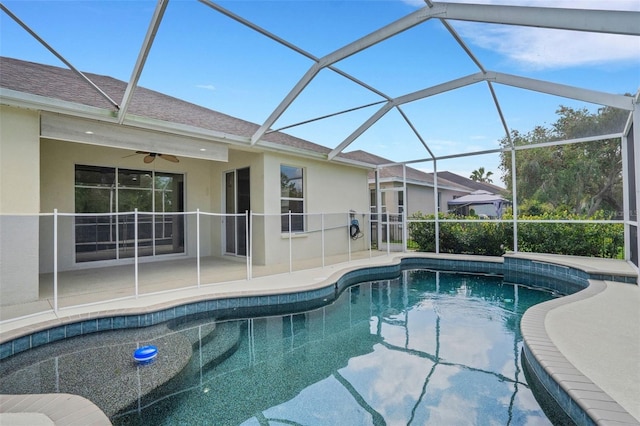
x,y
480,176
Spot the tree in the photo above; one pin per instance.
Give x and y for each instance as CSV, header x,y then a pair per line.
x,y
480,176
581,177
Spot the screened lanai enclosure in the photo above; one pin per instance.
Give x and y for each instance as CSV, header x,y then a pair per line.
x,y
538,100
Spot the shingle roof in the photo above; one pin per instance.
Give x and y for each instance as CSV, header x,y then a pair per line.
x,y
461,180
64,84
395,171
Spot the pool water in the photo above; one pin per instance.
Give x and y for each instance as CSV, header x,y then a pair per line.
x,y
424,348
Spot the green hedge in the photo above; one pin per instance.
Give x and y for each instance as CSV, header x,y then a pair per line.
x,y
495,238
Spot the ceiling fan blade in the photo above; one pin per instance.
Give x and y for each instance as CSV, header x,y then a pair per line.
x,y
149,158
169,157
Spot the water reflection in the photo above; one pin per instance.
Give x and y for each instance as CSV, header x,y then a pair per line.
x,y
424,348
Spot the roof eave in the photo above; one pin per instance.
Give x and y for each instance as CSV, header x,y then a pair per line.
x,y
41,103
354,163
421,183
30,101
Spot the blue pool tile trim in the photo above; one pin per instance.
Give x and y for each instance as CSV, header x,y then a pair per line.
x,y
566,281
562,398
562,279
559,278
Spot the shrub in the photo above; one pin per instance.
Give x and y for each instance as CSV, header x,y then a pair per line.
x,y
494,238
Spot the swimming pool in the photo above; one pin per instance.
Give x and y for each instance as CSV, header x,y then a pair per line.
x,y
425,347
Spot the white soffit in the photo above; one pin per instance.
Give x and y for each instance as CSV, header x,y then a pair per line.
x,y
65,128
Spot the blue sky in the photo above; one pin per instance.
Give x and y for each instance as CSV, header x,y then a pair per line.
x,y
206,58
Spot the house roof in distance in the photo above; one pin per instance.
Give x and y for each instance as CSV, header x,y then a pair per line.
x,y
469,183
395,172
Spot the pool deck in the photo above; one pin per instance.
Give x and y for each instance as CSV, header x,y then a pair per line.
x,y
598,333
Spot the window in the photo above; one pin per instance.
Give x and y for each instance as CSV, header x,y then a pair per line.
x,y
112,190
292,198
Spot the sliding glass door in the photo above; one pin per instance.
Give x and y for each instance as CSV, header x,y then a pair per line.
x,y
237,200
102,191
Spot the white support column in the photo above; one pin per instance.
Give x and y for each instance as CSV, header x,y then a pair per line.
x,y
405,203
378,210
636,148
626,199
55,260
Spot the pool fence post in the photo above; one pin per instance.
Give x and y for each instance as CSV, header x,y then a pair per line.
x,y
405,231
388,234
198,244
246,240
370,227
322,235
55,260
349,234
250,248
290,253
135,248
403,214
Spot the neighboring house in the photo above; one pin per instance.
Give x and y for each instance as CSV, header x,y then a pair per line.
x,y
418,196
485,200
469,183
65,146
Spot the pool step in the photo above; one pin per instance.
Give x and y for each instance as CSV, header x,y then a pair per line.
x,y
219,345
118,380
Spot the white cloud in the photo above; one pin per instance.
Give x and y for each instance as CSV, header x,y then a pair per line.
x,y
206,86
546,48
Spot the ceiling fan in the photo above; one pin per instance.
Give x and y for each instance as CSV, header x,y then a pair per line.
x,y
150,156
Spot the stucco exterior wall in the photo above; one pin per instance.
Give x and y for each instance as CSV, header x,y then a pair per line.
x,y
329,188
19,152
419,199
19,194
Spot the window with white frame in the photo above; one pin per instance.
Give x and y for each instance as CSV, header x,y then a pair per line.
x,y
292,198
